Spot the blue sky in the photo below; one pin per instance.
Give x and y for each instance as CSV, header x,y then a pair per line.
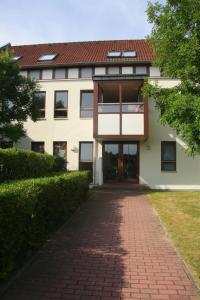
x,y
43,21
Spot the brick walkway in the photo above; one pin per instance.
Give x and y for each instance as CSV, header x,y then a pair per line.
x,y
113,248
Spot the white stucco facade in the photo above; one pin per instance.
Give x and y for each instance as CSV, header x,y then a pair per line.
x,y
75,129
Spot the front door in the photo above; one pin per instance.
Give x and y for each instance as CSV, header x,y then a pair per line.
x,y
120,162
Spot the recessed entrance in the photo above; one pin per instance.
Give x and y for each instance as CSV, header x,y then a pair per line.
x,y
121,162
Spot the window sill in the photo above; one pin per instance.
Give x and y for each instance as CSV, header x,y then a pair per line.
x,y
162,171
61,119
86,118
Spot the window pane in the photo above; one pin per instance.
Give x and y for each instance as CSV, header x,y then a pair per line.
x,y
168,166
86,72
60,113
59,149
86,152
41,103
34,74
113,70
59,73
86,114
169,151
37,147
61,99
87,100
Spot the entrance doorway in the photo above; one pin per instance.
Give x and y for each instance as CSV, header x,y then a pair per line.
x,y
121,162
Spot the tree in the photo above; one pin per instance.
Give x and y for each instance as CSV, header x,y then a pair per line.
x,y
175,38
18,99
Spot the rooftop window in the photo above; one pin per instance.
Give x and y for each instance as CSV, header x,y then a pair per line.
x,y
47,57
17,58
129,53
114,54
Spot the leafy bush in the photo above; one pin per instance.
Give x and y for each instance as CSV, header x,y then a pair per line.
x,y
31,209
59,164
17,163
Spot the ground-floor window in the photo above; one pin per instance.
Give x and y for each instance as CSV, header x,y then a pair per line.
x,y
60,149
86,156
168,156
37,147
6,144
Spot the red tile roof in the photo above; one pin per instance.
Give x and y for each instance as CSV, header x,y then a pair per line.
x,y
93,52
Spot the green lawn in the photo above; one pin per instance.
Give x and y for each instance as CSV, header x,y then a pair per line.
x,y
180,213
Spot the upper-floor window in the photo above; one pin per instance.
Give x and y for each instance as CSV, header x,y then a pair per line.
x,y
37,147
41,99
34,74
86,72
61,104
168,156
86,104
60,73
113,70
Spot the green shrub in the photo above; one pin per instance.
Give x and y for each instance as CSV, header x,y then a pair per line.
x,y
17,163
59,164
31,209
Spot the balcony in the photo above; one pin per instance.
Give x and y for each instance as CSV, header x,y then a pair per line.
x,y
123,119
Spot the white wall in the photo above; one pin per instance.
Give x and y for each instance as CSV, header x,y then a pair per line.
x,y
187,175
72,130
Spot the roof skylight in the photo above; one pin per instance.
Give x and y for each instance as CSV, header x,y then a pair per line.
x,y
114,54
129,53
47,57
17,58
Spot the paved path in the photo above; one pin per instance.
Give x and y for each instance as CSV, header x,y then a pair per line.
x,y
113,248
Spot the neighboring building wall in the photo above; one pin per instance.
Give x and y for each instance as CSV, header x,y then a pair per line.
x,y
187,175
72,130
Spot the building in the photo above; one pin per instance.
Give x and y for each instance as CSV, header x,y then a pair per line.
x,y
94,114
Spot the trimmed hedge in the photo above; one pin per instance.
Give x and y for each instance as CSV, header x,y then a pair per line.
x,y
17,163
31,209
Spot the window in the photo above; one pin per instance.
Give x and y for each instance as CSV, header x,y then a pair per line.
x,y
60,149
113,70
60,73
61,104
86,156
86,104
16,58
86,72
114,54
168,156
37,147
47,57
47,74
41,103
34,74
73,73
6,144
129,53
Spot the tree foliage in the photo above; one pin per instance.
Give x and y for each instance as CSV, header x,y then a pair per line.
x,y
175,38
18,99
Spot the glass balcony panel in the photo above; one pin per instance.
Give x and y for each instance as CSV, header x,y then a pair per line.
x,y
109,108
133,108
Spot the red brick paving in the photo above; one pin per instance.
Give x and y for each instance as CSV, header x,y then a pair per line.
x,y
114,248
